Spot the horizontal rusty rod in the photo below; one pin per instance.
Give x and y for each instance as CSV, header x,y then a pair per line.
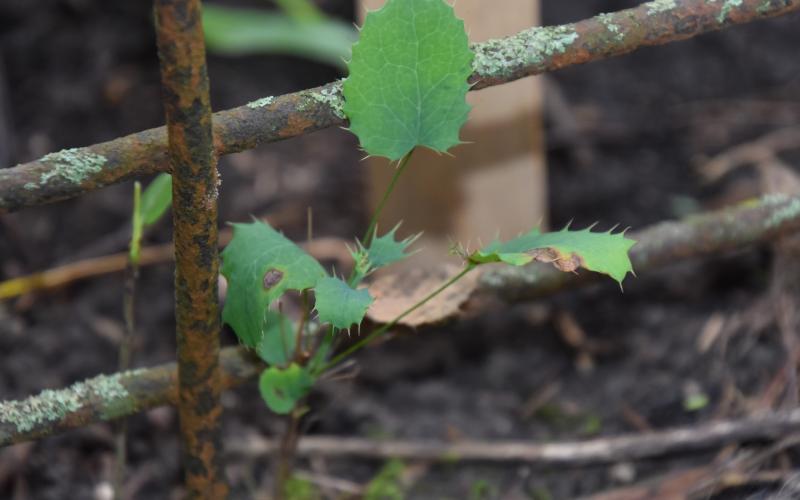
x,y
89,402
662,244
195,181
109,397
72,172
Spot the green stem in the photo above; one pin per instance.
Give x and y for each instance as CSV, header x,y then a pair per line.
x,y
138,225
126,344
380,331
367,239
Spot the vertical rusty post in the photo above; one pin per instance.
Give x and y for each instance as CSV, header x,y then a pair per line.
x,y
184,78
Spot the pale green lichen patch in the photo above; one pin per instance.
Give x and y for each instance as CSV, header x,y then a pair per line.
x,y
657,6
532,47
726,9
73,165
260,103
332,97
765,7
607,20
790,210
51,406
30,186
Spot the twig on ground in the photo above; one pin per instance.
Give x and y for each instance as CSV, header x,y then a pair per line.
x,y
326,482
333,249
750,153
601,450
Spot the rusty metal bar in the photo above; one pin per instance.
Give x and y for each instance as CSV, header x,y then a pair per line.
x,y
184,80
662,244
108,397
70,173
121,395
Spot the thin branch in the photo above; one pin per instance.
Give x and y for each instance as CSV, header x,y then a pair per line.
x,y
120,395
330,248
70,173
600,450
193,163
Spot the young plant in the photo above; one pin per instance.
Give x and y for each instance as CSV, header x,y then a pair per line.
x,y
148,208
407,89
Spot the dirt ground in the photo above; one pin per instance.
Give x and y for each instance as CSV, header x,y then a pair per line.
x,y
625,139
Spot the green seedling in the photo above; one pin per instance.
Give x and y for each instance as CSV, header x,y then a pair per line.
x,y
407,89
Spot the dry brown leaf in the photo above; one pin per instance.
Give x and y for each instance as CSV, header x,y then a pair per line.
x,y
395,293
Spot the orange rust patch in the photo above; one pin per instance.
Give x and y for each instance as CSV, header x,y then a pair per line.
x,y
297,124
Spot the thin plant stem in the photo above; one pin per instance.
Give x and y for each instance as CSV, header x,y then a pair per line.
x,y
367,239
305,306
126,343
380,331
286,453
135,248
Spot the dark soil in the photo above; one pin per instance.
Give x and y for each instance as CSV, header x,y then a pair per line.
x,y
75,72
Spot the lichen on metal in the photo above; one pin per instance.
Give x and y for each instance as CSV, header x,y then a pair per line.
x,y
260,103
30,186
72,165
765,7
727,6
790,211
658,6
607,20
332,97
51,406
501,57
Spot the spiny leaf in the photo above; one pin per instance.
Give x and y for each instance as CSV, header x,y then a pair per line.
x,y
385,250
278,343
408,78
282,388
339,304
605,253
156,199
261,264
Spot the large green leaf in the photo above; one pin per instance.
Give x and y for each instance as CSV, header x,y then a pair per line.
x,y
278,342
282,388
408,78
156,199
239,31
261,264
605,253
340,305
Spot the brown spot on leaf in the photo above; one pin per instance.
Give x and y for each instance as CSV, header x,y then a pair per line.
x,y
272,278
563,262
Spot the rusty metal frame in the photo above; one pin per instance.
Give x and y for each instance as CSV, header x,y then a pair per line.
x,y
195,182
70,173
189,145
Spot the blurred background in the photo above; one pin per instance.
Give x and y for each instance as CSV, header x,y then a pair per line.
x,y
628,140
